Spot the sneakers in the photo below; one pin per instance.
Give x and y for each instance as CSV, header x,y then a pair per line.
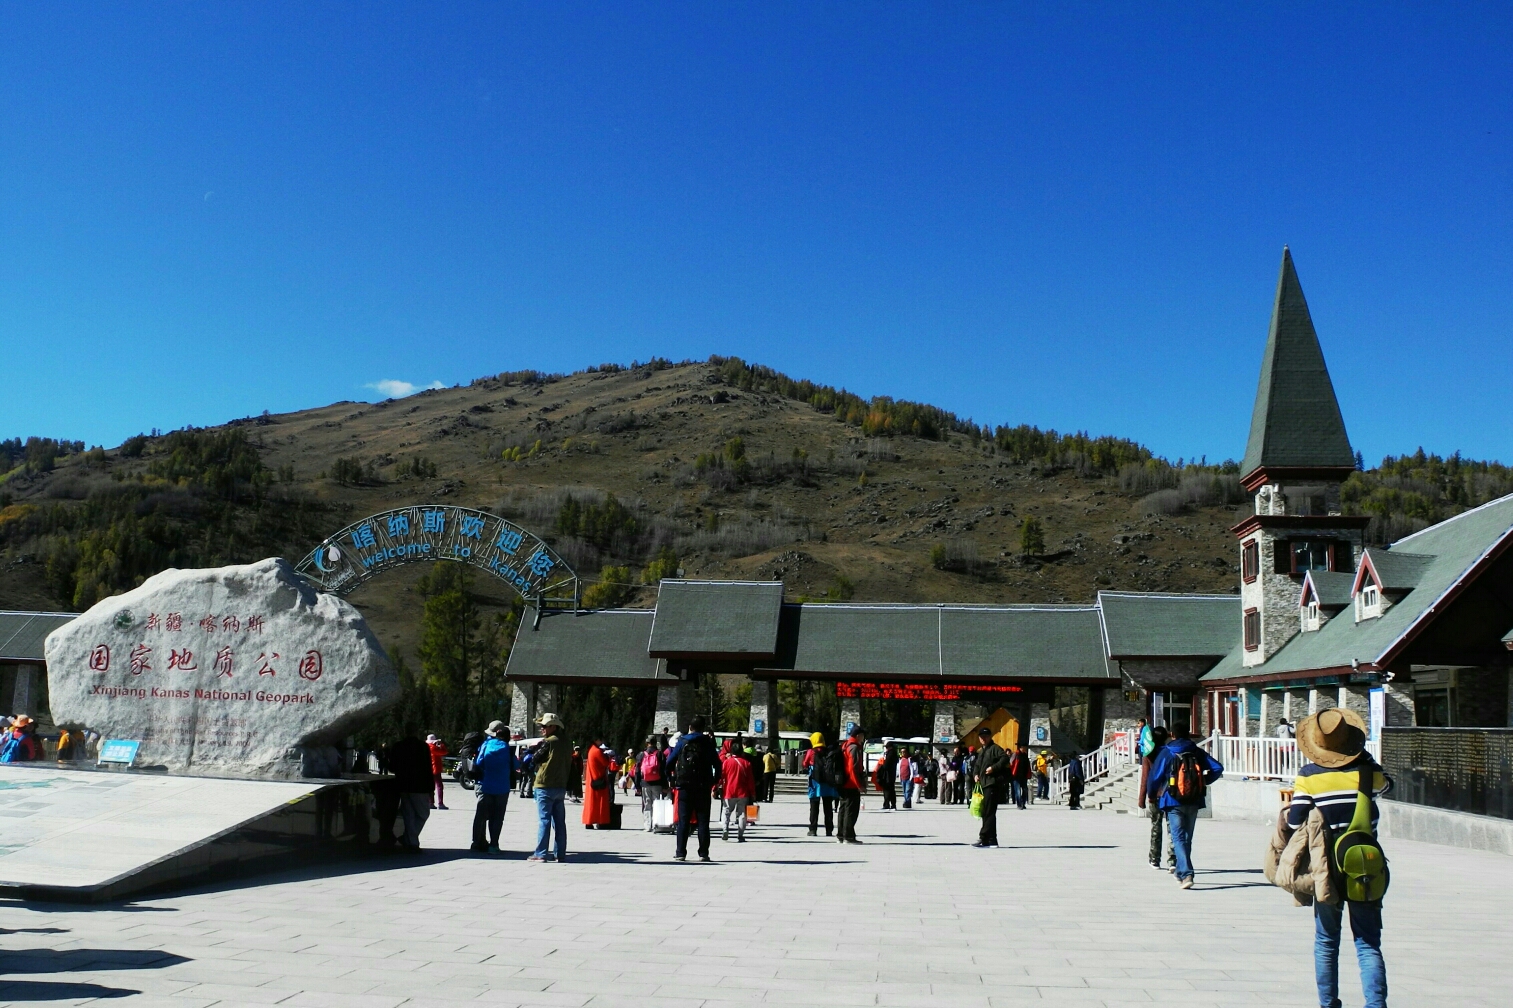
x,y
853,840
680,857
814,832
1187,883
704,858
535,857
984,846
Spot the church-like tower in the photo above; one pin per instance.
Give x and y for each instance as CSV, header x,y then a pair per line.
x,y
1297,457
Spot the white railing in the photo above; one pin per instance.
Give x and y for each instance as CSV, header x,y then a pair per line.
x,y
1263,758
1119,751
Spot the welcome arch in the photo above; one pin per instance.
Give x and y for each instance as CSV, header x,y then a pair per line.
x,y
390,539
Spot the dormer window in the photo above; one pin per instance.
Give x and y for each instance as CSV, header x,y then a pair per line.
x,y
1368,603
1311,616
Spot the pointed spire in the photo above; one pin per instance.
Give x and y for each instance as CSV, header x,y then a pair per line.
x,y
1296,423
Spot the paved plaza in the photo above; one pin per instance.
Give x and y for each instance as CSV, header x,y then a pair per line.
x,y
1065,913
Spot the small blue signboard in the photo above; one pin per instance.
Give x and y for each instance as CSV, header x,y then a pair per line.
x,y
119,751
758,726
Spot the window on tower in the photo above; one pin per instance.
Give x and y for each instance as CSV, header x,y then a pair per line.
x,y
1250,560
1252,629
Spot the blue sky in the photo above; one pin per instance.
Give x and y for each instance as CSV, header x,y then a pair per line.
x,y
1070,217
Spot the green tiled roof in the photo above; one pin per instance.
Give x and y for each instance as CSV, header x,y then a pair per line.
x,y
607,644
729,618
1332,587
1446,553
987,642
1151,625
1398,570
23,634
1296,421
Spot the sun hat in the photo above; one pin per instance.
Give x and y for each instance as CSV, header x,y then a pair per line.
x,y
495,727
432,738
21,721
1332,738
549,719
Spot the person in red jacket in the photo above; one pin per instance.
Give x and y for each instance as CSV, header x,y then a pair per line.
x,y
853,782
740,789
438,767
598,796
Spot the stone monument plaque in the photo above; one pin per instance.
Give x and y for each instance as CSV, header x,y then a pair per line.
x,y
243,671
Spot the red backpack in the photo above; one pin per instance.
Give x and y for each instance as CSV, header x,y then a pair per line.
x,y
651,767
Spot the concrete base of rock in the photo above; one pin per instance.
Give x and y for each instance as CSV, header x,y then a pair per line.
x,y
91,836
1402,821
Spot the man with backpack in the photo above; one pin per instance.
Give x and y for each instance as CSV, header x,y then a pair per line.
x,y
1178,782
695,764
852,780
492,767
1342,781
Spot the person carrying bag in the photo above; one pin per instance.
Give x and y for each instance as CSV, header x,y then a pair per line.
x,y
1326,851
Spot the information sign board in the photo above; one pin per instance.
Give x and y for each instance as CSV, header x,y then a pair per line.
x,y
122,751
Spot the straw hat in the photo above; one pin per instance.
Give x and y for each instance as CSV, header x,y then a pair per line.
x,y
1332,738
549,719
21,721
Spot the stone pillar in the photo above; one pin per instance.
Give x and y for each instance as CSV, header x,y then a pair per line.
x,y
761,707
674,708
1342,697
1266,712
1040,725
1287,706
1242,723
547,702
21,702
1313,700
521,715
851,713
945,723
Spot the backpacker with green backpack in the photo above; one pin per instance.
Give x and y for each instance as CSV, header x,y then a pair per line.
x,y
1358,857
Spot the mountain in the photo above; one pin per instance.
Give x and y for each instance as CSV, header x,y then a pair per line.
x,y
738,470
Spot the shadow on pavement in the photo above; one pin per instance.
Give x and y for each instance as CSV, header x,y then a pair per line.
x,y
65,960
49,990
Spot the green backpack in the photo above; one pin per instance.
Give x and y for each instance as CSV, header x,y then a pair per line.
x,y
1357,854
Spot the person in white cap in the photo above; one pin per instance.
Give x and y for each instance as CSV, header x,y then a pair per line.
x,y
553,757
438,769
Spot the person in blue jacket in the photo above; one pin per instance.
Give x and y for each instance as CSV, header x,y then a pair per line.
x,y
495,767
1181,815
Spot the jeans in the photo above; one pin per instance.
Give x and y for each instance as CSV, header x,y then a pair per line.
x,y
551,809
1021,792
1366,926
908,792
490,814
849,805
693,804
1179,823
1042,787
735,808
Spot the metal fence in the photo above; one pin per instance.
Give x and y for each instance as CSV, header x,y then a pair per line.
x,y
1462,769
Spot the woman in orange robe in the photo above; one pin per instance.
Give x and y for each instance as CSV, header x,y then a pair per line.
x,y
596,800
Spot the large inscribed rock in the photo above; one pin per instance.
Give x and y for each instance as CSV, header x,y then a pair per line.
x,y
242,671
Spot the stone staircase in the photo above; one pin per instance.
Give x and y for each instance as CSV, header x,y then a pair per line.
x,y
1115,792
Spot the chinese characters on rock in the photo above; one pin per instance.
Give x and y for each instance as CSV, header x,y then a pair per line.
x,y
183,659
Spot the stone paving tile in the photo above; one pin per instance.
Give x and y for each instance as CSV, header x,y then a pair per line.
x,y
1065,916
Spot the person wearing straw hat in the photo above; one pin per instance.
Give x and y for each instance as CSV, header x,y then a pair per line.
x,y
1334,742
553,761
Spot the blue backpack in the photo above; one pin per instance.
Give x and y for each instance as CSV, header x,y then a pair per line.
x,y
10,752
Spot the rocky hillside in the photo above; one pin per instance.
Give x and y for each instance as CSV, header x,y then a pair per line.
x,y
736,482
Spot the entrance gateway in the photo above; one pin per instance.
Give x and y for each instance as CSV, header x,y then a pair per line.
x,y
389,539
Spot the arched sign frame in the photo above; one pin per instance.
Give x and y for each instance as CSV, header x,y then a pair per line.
x,y
406,535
